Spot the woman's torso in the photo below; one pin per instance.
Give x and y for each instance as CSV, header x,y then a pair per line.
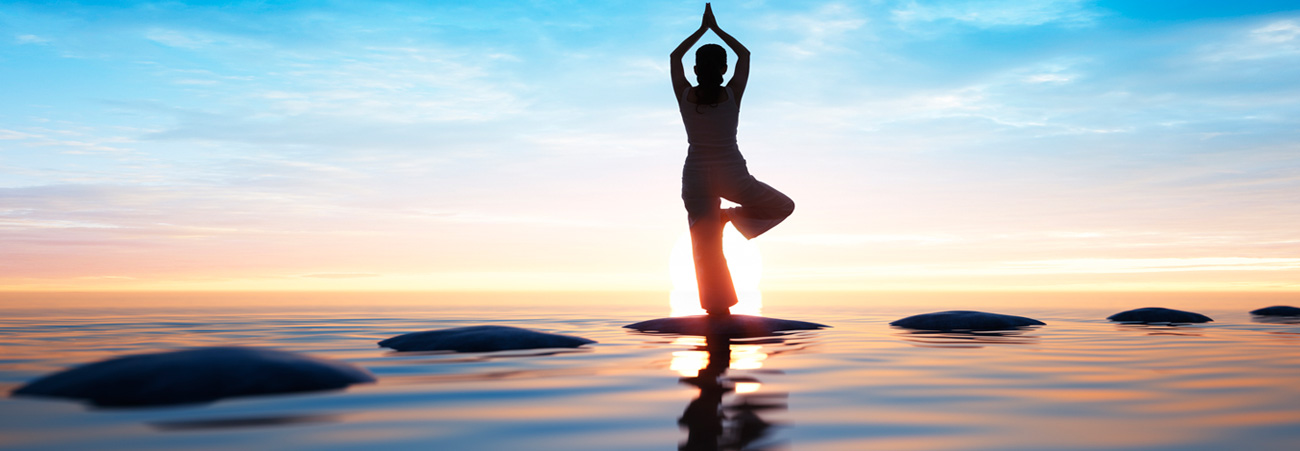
x,y
711,128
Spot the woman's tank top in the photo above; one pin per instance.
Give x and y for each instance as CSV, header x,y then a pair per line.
x,y
711,129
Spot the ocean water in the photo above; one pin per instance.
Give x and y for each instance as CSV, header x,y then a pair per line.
x,y
1078,383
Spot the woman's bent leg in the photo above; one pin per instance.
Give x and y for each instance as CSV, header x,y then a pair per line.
x,y
761,207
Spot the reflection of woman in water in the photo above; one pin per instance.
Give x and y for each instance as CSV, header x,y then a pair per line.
x,y
711,424
714,167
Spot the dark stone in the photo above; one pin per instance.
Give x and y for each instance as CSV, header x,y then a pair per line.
x,y
1158,315
195,376
1277,310
964,320
481,339
736,326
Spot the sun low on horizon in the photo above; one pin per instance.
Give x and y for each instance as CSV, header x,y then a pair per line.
x,y
745,262
1056,145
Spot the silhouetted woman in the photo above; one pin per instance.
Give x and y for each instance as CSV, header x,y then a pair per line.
x,y
714,167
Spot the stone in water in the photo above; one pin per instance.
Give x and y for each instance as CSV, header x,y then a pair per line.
x,y
735,326
1149,315
962,320
481,339
195,376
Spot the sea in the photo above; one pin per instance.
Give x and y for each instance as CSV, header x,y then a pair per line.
x,y
1080,382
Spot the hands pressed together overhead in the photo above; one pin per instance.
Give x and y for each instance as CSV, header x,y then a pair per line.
x,y
740,73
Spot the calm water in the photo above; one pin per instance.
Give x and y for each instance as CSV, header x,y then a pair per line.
x,y
1079,383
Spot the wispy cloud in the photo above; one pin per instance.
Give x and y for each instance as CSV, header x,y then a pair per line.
x,y
30,39
1274,40
861,239
66,141
1058,267
821,31
1002,13
340,275
1278,32
199,40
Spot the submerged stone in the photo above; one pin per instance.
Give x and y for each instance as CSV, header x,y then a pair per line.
x,y
1158,315
195,376
1277,310
736,326
481,339
965,320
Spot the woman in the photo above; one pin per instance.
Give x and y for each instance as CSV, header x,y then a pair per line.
x,y
714,168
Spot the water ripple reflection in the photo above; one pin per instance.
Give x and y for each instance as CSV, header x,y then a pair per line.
x,y
967,339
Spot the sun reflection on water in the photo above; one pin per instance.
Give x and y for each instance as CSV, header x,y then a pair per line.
x,y
747,387
689,363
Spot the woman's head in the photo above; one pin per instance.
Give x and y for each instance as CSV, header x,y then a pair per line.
x,y
710,64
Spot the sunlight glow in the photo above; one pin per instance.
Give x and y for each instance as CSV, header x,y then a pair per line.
x,y
689,363
746,266
747,387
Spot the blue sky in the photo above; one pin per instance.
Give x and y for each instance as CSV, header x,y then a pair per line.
x,y
535,145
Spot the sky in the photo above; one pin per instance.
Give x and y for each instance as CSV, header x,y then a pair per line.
x,y
536,145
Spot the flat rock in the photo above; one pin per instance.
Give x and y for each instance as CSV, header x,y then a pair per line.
x,y
195,376
481,339
1277,310
1158,315
736,326
965,320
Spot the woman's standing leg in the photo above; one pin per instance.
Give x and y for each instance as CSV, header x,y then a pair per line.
x,y
717,293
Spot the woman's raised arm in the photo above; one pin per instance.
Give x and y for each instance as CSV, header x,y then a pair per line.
x,y
740,74
680,83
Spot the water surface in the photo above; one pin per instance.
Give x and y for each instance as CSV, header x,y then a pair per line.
x,y
1079,383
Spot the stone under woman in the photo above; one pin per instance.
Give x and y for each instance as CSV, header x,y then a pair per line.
x,y
714,168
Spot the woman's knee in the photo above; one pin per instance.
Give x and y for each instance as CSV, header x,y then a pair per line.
x,y
787,207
